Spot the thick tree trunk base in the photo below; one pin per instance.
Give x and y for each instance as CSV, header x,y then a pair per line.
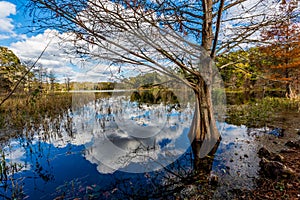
x,y
204,163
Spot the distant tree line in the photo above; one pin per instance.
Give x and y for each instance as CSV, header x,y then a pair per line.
x,y
273,66
39,79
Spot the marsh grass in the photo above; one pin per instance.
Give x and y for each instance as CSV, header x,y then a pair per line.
x,y
260,112
22,110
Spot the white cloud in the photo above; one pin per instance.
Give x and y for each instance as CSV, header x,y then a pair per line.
x,y
246,14
249,13
3,37
7,23
55,58
7,9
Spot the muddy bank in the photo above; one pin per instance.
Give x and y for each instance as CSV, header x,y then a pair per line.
x,y
279,173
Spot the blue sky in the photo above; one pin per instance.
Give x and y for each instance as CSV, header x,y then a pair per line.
x,y
16,24
17,34
11,19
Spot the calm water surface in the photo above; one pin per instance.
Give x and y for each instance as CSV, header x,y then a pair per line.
x,y
92,152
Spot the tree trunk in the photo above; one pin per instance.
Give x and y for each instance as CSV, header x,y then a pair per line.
x,y
203,129
203,164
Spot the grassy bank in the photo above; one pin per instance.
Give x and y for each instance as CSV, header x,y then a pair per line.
x,y
260,112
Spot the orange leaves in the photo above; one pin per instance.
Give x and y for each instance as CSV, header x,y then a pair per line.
x,y
282,60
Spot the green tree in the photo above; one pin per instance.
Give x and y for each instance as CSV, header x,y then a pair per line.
x,y
11,70
239,69
143,80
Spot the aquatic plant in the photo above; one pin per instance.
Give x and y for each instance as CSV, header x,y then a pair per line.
x,y
261,111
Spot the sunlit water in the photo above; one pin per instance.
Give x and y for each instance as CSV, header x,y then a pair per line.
x,y
92,153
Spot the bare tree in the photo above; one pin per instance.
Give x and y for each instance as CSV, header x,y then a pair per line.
x,y
67,82
176,38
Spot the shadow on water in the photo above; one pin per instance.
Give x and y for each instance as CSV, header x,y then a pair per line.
x,y
87,153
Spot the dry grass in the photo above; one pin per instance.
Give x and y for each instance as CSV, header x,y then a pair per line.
x,y
21,110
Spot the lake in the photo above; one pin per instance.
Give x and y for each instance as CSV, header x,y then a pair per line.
x,y
116,148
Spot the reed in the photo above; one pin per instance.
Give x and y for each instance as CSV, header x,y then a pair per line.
x,y
21,110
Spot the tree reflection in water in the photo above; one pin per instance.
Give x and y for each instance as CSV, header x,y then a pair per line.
x,y
178,180
188,176
161,166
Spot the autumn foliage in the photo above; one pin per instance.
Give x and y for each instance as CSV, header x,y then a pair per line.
x,y
282,61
